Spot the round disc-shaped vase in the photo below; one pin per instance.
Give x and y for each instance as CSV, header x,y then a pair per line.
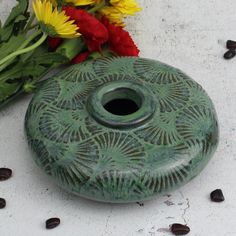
x,y
121,129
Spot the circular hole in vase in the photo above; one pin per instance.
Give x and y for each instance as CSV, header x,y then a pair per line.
x,y
122,101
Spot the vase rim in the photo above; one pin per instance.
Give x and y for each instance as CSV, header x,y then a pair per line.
x,y
136,92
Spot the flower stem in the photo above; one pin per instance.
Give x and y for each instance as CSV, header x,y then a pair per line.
x,y
33,26
24,50
31,20
97,7
23,45
29,39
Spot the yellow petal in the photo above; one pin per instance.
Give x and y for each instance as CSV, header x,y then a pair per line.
x,y
81,2
57,20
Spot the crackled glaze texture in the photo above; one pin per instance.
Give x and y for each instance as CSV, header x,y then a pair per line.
x,y
98,155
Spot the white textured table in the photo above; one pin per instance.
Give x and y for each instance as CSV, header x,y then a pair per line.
x,y
188,34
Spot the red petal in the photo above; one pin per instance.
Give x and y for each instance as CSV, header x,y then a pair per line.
x,y
54,43
80,58
120,40
94,32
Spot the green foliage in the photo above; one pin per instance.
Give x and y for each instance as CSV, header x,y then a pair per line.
x,y
33,65
7,89
21,73
16,21
30,69
12,45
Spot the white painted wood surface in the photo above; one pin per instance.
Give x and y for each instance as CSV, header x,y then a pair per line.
x,y
188,34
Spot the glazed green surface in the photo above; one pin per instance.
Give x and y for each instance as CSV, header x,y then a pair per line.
x,y
105,157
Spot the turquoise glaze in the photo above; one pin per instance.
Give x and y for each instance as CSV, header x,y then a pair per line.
x,y
121,129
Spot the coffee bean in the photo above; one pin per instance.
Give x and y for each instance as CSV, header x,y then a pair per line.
x,y
230,54
5,173
231,44
179,229
52,223
2,203
217,196
140,204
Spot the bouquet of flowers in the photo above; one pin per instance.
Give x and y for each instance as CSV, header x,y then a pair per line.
x,y
59,32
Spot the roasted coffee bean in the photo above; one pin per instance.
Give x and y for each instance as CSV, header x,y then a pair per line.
x,y
52,223
230,54
5,173
179,229
140,204
217,196
231,44
2,203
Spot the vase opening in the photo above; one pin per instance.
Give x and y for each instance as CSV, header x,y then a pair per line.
x,y
121,104
122,101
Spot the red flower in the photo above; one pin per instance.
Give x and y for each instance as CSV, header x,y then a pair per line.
x,y
120,42
54,43
94,32
80,58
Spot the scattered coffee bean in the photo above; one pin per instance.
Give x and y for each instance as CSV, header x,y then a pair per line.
x,y
179,229
2,203
140,204
52,223
230,44
217,196
5,173
230,54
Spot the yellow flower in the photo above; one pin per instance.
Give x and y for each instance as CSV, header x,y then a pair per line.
x,y
82,2
53,22
119,9
114,15
54,2
128,7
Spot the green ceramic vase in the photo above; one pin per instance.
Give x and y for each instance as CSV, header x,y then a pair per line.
x,y
121,129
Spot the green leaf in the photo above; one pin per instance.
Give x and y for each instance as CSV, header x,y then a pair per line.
x,y
12,45
38,51
28,67
19,9
36,65
41,56
33,66
49,59
7,90
16,21
5,34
